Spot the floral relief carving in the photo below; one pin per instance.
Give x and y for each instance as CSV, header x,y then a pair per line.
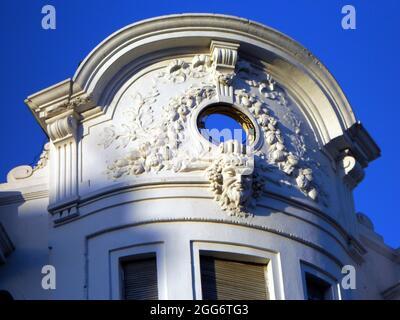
x,y
71,104
237,179
268,90
75,102
26,171
139,120
200,66
158,149
178,71
277,151
43,158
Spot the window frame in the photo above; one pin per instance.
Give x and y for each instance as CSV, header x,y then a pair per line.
x,y
137,252
240,253
318,273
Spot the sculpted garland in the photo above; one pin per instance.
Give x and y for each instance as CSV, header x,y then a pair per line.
x,y
237,179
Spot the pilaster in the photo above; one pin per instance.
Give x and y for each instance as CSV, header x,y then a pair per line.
x,y
62,131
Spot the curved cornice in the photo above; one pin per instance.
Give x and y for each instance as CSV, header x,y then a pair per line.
x,y
281,233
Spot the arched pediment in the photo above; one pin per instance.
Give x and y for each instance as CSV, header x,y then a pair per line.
x,y
151,128
135,46
200,60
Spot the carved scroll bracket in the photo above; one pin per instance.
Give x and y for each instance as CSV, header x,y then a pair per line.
x,y
351,170
224,56
62,127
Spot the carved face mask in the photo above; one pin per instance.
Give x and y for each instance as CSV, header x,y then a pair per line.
x,y
237,184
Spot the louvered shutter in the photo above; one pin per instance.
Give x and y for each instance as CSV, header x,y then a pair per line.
x,y
140,279
231,280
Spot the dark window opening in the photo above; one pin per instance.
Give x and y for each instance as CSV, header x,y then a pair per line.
x,y
140,279
317,289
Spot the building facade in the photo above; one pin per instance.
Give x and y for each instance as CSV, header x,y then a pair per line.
x,y
133,197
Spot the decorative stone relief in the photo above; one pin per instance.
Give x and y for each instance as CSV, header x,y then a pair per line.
x,y
263,86
43,158
139,120
18,173
72,104
23,172
277,151
155,143
233,181
178,71
160,149
77,101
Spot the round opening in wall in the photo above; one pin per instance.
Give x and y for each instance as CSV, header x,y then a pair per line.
x,y
220,123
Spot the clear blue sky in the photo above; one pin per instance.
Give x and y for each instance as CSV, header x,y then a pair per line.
x,y
364,61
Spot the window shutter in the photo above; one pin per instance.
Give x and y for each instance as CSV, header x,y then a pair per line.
x,y
140,279
231,280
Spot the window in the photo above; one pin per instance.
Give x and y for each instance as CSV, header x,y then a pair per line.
x,y
140,279
232,280
319,283
317,289
220,123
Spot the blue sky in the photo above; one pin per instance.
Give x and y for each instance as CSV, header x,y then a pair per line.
x,y
364,61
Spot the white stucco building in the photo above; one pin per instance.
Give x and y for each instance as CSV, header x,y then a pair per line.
x,y
130,200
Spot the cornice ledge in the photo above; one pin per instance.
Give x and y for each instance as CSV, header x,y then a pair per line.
x,y
236,221
358,142
364,147
60,98
356,250
65,210
379,247
16,197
